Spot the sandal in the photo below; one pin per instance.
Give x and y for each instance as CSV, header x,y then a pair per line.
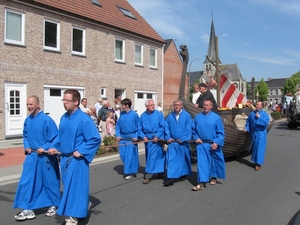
x,y
198,187
213,181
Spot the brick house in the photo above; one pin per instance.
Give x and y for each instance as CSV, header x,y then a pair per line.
x,y
101,48
172,74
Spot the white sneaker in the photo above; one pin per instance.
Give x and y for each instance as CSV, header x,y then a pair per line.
x,y
51,211
25,215
71,221
90,206
128,177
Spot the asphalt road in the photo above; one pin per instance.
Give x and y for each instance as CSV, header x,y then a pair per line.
x,y
270,196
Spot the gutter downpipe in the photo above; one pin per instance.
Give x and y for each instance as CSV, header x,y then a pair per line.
x,y
162,77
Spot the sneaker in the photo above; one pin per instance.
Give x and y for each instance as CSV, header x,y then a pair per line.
x,y
90,206
51,211
128,177
71,221
25,214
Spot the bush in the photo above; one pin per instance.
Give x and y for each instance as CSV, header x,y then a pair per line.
x,y
276,115
109,146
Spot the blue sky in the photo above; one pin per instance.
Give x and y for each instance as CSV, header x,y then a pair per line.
x,y
261,36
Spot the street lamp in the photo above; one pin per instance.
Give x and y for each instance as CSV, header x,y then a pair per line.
x,y
190,71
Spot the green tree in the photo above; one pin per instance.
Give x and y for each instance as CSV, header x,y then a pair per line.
x,y
291,84
262,90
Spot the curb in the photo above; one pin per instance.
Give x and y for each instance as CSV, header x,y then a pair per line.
x,y
15,177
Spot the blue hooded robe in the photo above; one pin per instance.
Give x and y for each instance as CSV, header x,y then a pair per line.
x,y
152,125
127,128
210,163
77,132
39,185
178,154
258,131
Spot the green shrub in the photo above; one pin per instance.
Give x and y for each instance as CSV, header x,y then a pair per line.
x,y
283,115
276,115
109,146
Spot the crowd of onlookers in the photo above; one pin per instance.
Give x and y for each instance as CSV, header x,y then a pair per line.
x,y
105,115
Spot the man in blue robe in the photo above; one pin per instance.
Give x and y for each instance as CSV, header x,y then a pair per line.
x,y
257,124
151,130
39,185
79,141
178,132
126,133
208,132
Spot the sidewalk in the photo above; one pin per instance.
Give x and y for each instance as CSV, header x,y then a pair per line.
x,y
12,157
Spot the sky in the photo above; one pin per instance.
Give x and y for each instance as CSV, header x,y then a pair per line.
x,y
261,36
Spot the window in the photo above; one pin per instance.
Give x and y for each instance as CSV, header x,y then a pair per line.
x,y
119,50
276,92
51,35
14,107
103,92
78,41
14,27
96,2
149,96
153,57
55,92
127,12
138,54
140,95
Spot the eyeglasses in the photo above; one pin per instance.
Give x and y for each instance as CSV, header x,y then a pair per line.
x,y
67,100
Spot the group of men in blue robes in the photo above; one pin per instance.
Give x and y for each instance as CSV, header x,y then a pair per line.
x,y
77,141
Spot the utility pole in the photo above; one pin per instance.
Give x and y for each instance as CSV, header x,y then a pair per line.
x,y
217,72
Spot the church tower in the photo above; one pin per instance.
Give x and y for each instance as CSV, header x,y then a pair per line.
x,y
208,68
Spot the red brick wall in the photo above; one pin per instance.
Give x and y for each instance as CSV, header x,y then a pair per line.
x,y
172,76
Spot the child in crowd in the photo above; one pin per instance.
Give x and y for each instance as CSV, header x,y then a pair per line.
x,y
110,124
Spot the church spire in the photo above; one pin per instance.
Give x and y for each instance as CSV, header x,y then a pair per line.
x,y
211,53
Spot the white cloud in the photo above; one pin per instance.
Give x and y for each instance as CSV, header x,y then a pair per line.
x,y
285,6
270,60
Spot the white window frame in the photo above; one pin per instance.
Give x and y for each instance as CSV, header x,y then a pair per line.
x,y
142,54
103,92
155,60
83,41
22,32
123,50
57,48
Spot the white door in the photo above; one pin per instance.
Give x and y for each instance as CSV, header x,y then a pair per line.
x,y
15,108
140,98
53,105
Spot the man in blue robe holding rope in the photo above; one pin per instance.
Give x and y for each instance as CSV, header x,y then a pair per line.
x,y
151,130
39,185
208,132
257,124
79,141
178,132
126,133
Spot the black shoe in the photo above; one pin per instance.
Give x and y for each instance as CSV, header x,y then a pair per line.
x,y
182,178
159,176
168,182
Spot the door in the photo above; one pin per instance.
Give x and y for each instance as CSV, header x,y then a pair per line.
x,y
15,108
140,98
53,105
